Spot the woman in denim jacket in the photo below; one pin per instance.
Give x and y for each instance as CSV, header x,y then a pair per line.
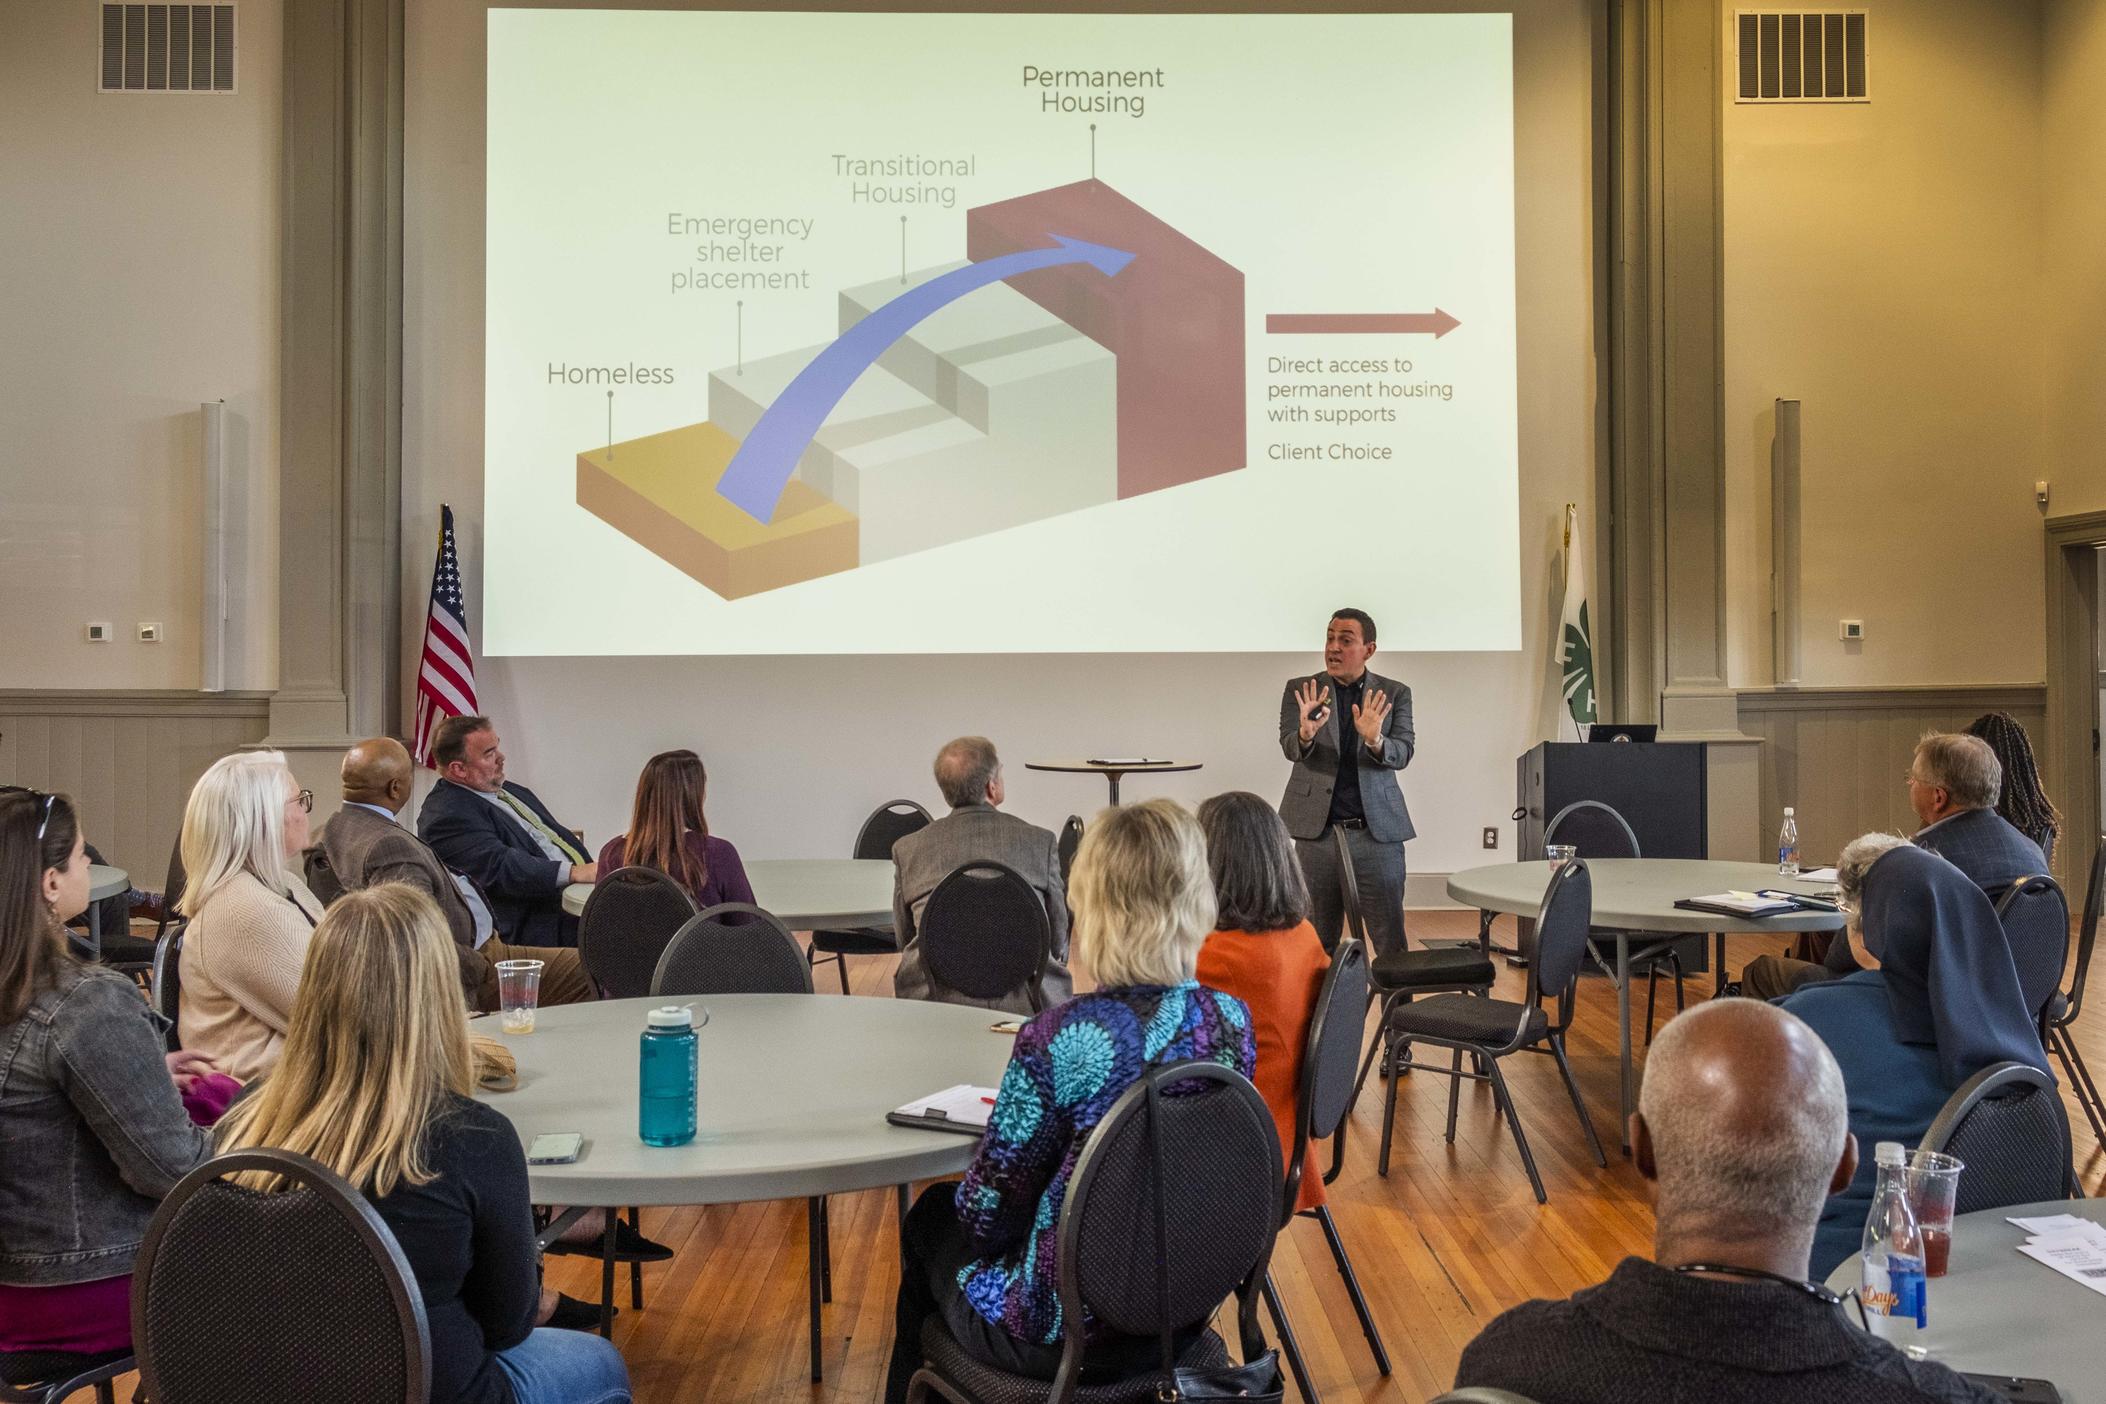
x,y
92,1127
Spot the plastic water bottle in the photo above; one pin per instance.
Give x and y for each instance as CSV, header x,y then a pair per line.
x,y
1788,846
665,1112
1894,1291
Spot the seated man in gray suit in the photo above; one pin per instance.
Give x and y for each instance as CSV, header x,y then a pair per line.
x,y
1954,782
969,774
1348,733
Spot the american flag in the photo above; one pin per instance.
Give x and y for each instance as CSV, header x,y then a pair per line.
x,y
446,678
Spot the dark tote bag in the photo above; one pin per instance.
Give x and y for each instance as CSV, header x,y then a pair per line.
x,y
1255,1381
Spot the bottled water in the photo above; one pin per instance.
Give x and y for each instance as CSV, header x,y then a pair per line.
x,y
666,1078
1788,846
1894,1290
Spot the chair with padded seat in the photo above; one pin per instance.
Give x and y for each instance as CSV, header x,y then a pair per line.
x,y
1069,845
1400,976
736,948
2060,1016
1491,1029
2008,1127
242,1295
165,987
1478,1394
984,934
1322,1102
50,1376
320,876
171,889
888,824
1210,1157
2034,912
627,923
1597,830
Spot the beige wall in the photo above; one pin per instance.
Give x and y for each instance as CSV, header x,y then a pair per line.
x,y
1883,264
140,234
2073,50
880,719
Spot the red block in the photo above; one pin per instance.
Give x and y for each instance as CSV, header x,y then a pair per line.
x,y
1173,317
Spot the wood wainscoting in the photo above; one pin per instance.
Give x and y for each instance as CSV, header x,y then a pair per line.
x,y
1838,755
127,759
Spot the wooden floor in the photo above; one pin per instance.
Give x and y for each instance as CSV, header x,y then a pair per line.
x,y
1451,1238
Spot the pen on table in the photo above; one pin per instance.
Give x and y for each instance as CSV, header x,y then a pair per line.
x,y
987,1101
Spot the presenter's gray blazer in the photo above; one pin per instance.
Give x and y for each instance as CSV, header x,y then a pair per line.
x,y
1306,807
976,833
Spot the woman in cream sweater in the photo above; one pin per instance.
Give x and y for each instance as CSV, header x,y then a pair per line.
x,y
251,917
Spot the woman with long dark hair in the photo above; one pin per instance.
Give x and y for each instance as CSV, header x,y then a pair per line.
x,y
2023,804
668,831
91,1118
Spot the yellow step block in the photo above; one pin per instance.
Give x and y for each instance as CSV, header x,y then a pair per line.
x,y
661,492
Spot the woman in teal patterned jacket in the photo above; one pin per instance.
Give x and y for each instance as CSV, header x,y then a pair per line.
x,y
982,1253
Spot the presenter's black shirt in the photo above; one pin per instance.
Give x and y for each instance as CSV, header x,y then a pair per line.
x,y
1345,795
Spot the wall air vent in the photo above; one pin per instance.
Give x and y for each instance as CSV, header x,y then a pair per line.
x,y
167,49
1797,56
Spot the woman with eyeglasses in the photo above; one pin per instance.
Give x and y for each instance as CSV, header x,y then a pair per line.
x,y
251,916
93,1129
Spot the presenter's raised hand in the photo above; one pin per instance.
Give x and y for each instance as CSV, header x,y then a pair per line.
x,y
1369,718
1315,705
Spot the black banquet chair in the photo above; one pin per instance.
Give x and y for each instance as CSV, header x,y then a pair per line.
x,y
2060,1017
1070,844
1598,831
2008,1127
1321,1104
2034,912
242,1296
165,985
888,824
1210,1158
984,934
1477,1394
49,1376
627,922
735,948
1491,1029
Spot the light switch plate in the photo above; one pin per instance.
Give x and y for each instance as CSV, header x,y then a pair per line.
x,y
99,632
1850,630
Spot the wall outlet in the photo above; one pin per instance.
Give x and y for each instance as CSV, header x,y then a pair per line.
x,y
100,633
1850,630
149,633
1491,837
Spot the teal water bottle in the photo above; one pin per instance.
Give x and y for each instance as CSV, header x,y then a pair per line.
x,y
665,1113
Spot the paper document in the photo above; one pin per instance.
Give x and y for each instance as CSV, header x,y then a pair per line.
x,y
1748,904
1819,875
963,1105
2078,1253
1127,760
2054,1223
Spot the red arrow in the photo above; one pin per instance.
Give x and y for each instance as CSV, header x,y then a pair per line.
x,y
1437,322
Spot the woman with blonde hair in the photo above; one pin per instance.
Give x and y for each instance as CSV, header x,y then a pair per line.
x,y
251,916
374,1082
668,831
984,1254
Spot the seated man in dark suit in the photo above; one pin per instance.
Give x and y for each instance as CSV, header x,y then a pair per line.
x,y
365,843
969,774
1954,782
1743,1129
501,835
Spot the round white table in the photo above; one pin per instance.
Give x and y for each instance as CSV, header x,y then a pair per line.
x,y
806,894
791,1098
1997,1312
104,882
1639,895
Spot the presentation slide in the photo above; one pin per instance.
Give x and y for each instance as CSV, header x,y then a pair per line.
x,y
954,333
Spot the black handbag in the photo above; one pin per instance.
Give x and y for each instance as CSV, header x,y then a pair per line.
x,y
1255,1381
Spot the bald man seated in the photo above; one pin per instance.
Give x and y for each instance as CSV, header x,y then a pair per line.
x,y
366,843
1743,1131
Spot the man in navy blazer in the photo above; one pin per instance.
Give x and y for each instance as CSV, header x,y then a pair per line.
x,y
501,835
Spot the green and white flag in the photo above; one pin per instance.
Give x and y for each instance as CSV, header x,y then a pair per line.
x,y
1572,651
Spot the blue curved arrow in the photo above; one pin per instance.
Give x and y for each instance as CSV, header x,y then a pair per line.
x,y
763,465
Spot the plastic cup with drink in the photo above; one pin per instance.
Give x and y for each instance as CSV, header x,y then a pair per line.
x,y
1560,854
518,993
1934,1191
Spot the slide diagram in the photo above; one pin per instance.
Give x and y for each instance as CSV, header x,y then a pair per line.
x,y
840,332
1085,352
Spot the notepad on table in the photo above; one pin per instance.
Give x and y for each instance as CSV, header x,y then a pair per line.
x,y
1740,904
963,1109
1127,760
1818,875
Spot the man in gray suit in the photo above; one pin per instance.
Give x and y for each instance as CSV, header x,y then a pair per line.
x,y
1348,733
969,774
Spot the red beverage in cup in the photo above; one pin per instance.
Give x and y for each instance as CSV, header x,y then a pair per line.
x,y
1937,1251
